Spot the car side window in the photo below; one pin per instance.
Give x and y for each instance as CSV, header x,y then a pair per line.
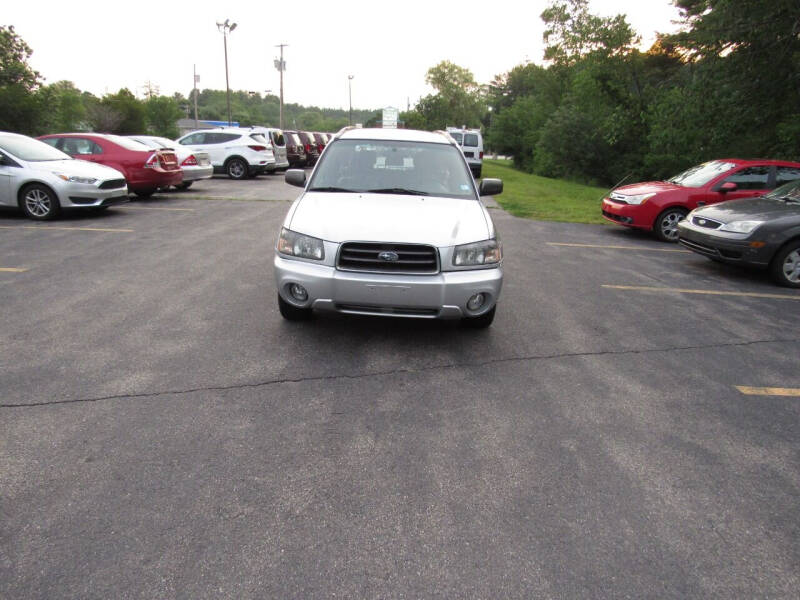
x,y
750,178
470,139
787,174
80,146
222,138
52,142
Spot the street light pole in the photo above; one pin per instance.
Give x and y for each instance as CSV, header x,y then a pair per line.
x,y
350,96
281,66
225,28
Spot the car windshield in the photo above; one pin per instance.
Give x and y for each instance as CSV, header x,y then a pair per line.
x,y
789,192
700,175
30,150
127,143
393,167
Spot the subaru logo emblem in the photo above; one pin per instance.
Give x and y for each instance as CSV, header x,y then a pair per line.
x,y
389,256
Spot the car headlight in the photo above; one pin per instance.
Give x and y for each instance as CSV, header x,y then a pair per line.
x,y
639,198
740,226
76,178
487,252
299,245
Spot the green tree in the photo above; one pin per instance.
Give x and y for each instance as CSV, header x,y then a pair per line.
x,y
458,99
131,112
66,107
20,107
162,114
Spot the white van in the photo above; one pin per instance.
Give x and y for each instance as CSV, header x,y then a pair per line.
x,y
278,141
471,142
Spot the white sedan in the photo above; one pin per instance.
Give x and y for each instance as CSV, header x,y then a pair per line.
x,y
41,180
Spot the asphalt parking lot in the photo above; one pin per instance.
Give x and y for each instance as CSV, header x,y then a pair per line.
x,y
629,427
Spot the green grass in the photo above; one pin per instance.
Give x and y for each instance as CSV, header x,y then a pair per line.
x,y
544,199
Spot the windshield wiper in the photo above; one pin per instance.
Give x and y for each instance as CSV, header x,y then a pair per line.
x,y
330,189
398,190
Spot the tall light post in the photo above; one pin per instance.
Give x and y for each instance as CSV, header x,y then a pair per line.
x,y
350,96
225,28
280,64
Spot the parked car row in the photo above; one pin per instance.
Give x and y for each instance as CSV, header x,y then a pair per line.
x,y
735,211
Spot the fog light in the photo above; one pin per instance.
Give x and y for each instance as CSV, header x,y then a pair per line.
x,y
476,301
298,292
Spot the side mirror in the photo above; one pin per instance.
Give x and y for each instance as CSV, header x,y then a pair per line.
x,y
296,177
491,187
728,186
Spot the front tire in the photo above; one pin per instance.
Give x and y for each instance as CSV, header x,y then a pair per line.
x,y
185,185
785,266
666,225
481,322
39,202
291,312
236,168
144,193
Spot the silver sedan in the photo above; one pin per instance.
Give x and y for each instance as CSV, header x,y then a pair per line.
x,y
42,180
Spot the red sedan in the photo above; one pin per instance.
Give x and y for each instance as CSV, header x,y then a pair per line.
x,y
657,206
145,170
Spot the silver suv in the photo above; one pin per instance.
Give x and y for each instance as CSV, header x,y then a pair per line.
x,y
239,153
390,223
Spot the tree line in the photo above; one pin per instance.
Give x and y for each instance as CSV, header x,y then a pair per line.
x,y
600,110
29,106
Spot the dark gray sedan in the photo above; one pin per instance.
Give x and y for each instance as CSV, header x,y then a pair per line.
x,y
761,232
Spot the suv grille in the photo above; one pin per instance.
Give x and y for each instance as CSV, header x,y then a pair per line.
x,y
112,184
377,257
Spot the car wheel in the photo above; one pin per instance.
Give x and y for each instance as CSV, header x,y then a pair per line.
x,y
236,168
293,313
785,266
666,225
184,185
144,194
481,322
39,202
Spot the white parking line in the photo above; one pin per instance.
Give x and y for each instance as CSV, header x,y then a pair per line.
x,y
641,288
12,270
127,207
645,249
768,391
40,227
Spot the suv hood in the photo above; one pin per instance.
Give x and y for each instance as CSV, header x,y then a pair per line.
x,y
390,218
750,209
77,167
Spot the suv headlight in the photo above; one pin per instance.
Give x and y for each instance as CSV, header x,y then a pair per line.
x,y
741,226
299,245
639,199
487,252
76,178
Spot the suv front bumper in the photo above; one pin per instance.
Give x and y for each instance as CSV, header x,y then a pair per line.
x,y
443,295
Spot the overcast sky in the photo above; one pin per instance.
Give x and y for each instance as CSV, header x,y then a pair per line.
x,y
387,47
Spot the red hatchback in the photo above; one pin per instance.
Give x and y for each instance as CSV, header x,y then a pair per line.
x,y
659,205
145,169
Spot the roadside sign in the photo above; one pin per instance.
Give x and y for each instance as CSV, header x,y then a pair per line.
x,y
390,115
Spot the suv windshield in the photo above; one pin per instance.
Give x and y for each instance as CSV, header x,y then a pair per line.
x,y
700,175
30,150
393,167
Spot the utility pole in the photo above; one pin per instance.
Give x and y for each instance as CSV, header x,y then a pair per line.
x,y
196,79
281,66
350,95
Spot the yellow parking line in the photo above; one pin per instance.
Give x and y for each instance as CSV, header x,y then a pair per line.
x,y
11,270
768,391
155,208
641,288
66,228
620,247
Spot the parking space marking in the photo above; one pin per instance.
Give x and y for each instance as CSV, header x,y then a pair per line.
x,y
768,391
66,228
155,208
642,288
12,270
620,247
